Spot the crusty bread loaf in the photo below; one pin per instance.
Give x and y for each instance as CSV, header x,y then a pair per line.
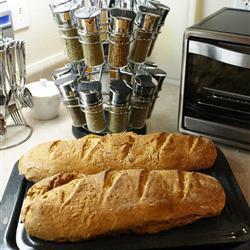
x,y
74,206
93,154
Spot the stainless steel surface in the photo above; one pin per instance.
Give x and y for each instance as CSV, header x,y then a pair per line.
x,y
13,88
164,9
23,94
122,21
26,126
144,87
227,94
219,54
158,74
88,20
65,86
223,107
90,94
120,93
210,35
63,13
221,131
148,18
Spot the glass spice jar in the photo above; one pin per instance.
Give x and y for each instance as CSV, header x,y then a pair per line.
x,y
140,46
164,10
89,32
118,50
141,100
118,119
74,111
93,49
69,98
63,17
72,47
95,118
120,93
91,103
139,112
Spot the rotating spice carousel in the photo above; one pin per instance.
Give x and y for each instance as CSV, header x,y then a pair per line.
x,y
108,86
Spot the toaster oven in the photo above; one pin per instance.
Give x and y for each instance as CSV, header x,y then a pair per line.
x,y
215,80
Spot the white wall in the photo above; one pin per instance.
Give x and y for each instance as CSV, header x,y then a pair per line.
x,y
44,47
210,6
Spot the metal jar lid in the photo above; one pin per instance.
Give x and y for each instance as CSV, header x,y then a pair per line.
x,y
158,74
61,72
120,93
163,8
65,85
63,13
90,93
88,20
144,86
122,21
148,18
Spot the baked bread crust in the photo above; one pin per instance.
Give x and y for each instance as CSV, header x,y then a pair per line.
x,y
74,206
92,154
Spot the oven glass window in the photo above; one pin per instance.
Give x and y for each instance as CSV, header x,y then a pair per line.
x,y
217,91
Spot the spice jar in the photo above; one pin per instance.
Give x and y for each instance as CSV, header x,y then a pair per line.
x,y
121,34
72,47
147,20
93,50
74,111
118,50
69,98
119,106
63,16
88,28
164,12
141,100
140,46
92,105
159,76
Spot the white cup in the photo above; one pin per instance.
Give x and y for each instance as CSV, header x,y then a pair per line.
x,y
46,99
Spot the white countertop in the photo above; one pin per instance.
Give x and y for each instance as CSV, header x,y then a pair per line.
x,y
164,118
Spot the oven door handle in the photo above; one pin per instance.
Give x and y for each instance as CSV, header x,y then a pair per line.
x,y
220,54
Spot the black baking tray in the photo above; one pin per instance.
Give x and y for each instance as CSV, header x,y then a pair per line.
x,y
225,231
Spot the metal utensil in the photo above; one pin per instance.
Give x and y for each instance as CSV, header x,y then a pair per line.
x,y
16,114
23,94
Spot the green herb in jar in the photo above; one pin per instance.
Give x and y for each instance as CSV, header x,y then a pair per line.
x,y
93,49
140,47
118,50
138,113
95,118
72,46
74,111
118,119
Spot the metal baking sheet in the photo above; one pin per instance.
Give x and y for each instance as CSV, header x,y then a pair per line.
x,y
232,226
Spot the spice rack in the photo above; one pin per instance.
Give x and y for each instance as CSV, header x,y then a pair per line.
x,y
108,86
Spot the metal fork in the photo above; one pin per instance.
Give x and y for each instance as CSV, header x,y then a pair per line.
x,y
16,114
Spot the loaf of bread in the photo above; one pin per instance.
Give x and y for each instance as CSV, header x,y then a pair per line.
x,y
92,154
74,206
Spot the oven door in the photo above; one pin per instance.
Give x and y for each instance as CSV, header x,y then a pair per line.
x,y
217,89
